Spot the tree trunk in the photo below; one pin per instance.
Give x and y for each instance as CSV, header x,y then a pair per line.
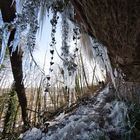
x,y
16,64
8,14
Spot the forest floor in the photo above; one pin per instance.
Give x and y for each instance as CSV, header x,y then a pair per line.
x,y
95,118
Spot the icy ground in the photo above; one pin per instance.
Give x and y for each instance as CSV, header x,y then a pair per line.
x,y
96,118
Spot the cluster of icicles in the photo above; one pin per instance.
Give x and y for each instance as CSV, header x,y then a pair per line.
x,y
28,15
25,23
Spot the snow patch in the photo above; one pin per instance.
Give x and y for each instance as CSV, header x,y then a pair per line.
x,y
94,120
33,134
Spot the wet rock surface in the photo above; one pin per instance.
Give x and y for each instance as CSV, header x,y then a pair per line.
x,y
116,25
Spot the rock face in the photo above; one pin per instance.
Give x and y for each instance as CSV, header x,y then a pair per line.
x,y
115,23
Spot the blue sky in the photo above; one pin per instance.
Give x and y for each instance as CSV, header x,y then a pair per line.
x,y
43,41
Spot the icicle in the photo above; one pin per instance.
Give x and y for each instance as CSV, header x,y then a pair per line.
x,y
101,56
16,40
68,58
1,21
5,38
109,68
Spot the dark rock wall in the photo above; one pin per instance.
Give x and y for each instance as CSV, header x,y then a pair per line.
x,y
116,23
9,15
